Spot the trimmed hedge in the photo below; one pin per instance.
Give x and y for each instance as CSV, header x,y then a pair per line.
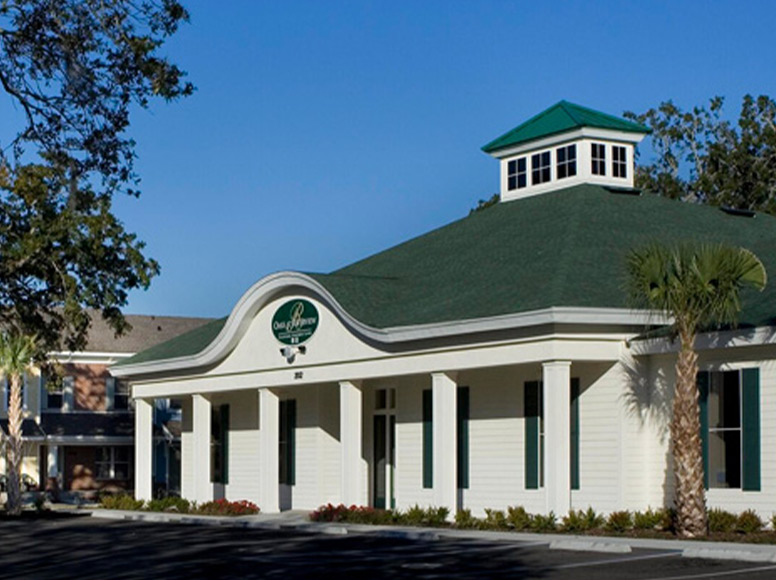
x,y
220,507
652,523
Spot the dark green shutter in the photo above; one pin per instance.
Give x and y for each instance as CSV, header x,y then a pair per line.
x,y
703,401
463,437
574,433
224,443
428,440
750,417
531,413
291,438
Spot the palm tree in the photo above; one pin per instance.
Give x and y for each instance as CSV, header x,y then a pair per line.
x,y
698,286
16,355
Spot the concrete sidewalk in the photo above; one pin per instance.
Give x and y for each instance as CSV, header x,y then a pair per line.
x,y
298,520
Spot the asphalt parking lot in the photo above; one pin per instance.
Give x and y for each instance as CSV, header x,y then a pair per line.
x,y
83,547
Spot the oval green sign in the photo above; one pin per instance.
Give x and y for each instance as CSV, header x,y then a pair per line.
x,y
295,321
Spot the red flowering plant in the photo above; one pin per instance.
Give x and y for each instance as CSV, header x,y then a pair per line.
x,y
223,507
353,514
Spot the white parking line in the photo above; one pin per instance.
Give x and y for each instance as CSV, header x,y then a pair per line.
x,y
618,560
716,574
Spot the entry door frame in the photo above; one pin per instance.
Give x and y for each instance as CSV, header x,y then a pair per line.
x,y
384,448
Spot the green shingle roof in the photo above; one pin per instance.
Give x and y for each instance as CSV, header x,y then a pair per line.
x,y
565,248
186,344
559,118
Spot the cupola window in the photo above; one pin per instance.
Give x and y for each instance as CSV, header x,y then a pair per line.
x,y
619,164
566,161
598,157
517,174
540,168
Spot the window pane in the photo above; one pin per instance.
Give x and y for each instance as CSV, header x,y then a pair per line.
x,y
572,152
561,171
54,400
725,459
521,165
512,182
561,155
380,399
511,167
572,168
521,181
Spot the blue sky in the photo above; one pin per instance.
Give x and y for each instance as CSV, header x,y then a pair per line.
x,y
322,132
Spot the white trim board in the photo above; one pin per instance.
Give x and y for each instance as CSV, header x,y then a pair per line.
x,y
265,289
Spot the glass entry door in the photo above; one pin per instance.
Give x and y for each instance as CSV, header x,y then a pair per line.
x,y
384,437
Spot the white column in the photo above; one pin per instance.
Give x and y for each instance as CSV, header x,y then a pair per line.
x,y
444,409
200,422
144,441
556,379
269,430
53,461
351,436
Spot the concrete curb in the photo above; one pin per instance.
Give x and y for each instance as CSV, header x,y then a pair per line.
x,y
618,545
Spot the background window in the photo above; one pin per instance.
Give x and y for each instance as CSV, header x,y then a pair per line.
x,y
112,462
566,161
598,156
121,395
619,165
540,168
517,174
54,395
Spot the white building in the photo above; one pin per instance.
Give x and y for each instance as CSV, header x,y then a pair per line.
x,y
488,363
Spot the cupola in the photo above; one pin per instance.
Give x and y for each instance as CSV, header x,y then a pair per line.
x,y
566,145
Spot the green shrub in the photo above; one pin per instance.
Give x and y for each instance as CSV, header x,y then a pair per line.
x,y
721,521
541,523
368,515
466,521
437,516
621,521
652,520
169,504
121,501
518,519
495,520
582,521
223,507
414,516
749,522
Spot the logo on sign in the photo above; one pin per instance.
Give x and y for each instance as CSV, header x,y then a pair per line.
x,y
295,322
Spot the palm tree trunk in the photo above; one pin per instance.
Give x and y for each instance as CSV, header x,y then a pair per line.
x,y
686,441
14,503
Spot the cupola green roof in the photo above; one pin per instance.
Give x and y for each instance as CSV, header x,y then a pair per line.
x,y
559,118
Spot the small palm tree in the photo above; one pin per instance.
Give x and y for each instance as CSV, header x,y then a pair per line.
x,y
16,356
698,286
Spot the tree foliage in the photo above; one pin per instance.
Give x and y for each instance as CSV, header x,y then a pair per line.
x,y
63,253
75,69
696,285
702,157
